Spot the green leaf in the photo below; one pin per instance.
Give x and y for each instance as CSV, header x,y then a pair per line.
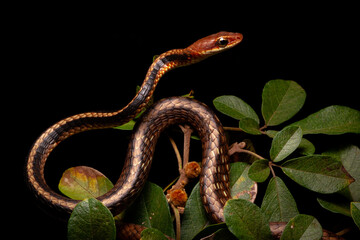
x,y
259,171
302,227
278,203
152,234
335,206
305,147
250,126
235,107
245,220
84,182
355,212
240,183
208,230
127,126
223,234
194,218
285,142
350,157
151,210
281,100
91,220
332,120
318,173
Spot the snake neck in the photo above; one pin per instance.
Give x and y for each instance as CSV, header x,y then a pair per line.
x,y
162,64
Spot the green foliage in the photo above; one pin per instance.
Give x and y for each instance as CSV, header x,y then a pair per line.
x,y
349,156
333,175
318,173
152,234
259,170
332,120
302,227
235,108
335,206
285,142
278,204
246,220
91,220
335,172
195,221
281,100
355,213
151,210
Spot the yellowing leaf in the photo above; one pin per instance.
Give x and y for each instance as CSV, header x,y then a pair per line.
x,y
84,182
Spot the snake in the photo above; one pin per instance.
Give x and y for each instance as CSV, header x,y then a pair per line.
x,y
214,177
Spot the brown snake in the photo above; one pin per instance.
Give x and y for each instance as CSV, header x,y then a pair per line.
x,y
214,176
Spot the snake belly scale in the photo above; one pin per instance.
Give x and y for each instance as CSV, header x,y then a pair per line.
x,y
214,177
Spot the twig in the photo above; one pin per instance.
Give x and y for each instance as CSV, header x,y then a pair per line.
x,y
233,129
262,128
177,153
239,148
252,153
236,147
187,135
344,231
177,221
271,168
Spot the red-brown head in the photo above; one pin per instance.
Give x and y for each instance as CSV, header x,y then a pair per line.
x,y
215,43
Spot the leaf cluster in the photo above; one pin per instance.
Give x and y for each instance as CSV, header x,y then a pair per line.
x,y
335,172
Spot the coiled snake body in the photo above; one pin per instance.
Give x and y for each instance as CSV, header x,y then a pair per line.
x,y
214,176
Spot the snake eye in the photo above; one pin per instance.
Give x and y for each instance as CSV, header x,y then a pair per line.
x,y
222,42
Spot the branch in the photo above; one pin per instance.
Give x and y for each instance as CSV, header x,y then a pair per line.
x,y
187,135
239,148
177,153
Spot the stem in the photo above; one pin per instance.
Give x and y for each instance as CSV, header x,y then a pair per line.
x,y
271,168
187,135
262,128
233,129
344,231
177,153
251,153
183,180
177,221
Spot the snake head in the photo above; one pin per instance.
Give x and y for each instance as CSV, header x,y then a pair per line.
x,y
215,43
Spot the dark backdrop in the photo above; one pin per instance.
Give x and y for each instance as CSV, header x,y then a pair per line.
x,y
63,62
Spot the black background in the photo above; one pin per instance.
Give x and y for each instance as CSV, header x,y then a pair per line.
x,y
62,61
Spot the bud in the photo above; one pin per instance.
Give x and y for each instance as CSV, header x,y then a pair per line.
x,y
192,169
178,197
